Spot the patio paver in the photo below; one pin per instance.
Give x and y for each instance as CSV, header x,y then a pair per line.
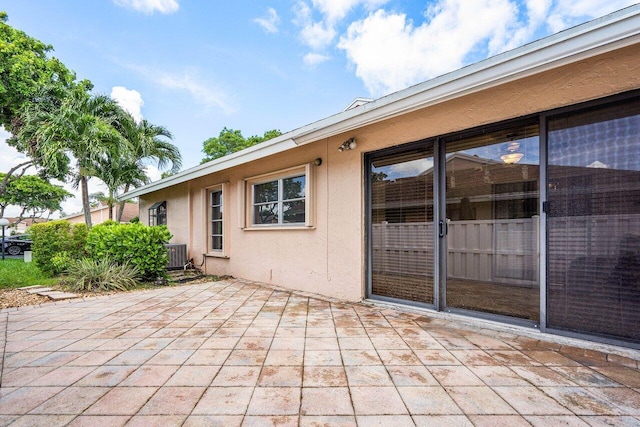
x,y
238,353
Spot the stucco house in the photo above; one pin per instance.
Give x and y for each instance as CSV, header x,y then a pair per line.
x,y
100,214
508,190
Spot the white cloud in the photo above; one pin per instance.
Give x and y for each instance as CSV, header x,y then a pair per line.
x,y
153,173
567,13
408,169
312,59
320,33
187,81
10,156
150,6
130,100
390,53
199,90
270,22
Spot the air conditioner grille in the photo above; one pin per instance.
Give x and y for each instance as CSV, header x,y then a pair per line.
x,y
177,255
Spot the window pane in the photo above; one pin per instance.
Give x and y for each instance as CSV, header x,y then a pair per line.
x,y
162,218
266,214
492,204
593,225
216,227
266,192
293,188
216,212
216,243
216,198
293,212
402,259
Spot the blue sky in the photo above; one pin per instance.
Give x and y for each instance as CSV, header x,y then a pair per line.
x,y
196,66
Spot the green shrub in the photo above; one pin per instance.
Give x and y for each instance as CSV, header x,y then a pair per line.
x,y
100,275
51,239
61,261
135,244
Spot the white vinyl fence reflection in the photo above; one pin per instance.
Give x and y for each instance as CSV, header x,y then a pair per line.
x,y
503,251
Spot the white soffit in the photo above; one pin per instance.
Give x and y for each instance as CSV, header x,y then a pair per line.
x,y
611,32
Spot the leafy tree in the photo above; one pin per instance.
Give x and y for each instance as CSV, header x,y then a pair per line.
x,y
33,194
82,129
230,140
24,69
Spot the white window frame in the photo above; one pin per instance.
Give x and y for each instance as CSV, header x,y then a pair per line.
x,y
249,184
208,221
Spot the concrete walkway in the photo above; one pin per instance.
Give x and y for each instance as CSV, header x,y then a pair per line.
x,y
237,353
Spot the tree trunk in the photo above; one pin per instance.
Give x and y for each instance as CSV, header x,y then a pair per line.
x,y
86,207
121,205
110,204
3,184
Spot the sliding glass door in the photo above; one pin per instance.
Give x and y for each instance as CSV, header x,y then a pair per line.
x,y
593,223
492,216
454,222
401,240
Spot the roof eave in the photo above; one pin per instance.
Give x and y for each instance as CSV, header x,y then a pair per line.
x,y
267,148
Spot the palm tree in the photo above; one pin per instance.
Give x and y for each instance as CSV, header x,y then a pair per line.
x,y
146,143
82,128
117,170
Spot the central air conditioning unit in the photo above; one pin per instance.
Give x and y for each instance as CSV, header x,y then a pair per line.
x,y
177,255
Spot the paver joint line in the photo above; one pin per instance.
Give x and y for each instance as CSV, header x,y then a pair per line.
x,y
238,351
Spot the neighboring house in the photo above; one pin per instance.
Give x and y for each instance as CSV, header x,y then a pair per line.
x,y
508,190
22,226
100,214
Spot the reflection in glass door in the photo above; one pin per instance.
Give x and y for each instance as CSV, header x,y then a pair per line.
x,y
492,217
593,223
402,245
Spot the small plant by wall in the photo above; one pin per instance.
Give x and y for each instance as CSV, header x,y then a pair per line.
x,y
100,275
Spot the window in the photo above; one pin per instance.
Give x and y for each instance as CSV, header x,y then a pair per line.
x,y
280,199
158,213
215,221
216,229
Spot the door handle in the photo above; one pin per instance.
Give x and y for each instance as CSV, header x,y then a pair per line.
x,y
443,228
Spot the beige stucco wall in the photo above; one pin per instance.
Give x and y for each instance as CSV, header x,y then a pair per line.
x,y
329,258
101,215
178,218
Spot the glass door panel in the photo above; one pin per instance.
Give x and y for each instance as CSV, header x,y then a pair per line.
x,y
593,223
492,217
402,245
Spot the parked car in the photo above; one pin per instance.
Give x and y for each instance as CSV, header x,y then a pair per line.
x,y
16,245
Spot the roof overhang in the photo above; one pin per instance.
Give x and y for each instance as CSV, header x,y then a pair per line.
x,y
611,32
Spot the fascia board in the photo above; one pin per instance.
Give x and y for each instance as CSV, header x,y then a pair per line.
x,y
609,33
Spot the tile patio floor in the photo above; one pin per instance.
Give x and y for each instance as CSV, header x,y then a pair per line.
x,y
237,353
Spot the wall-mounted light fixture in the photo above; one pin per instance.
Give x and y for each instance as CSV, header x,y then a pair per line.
x,y
349,144
317,161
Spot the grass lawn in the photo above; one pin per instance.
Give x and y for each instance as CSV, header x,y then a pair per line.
x,y
15,273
